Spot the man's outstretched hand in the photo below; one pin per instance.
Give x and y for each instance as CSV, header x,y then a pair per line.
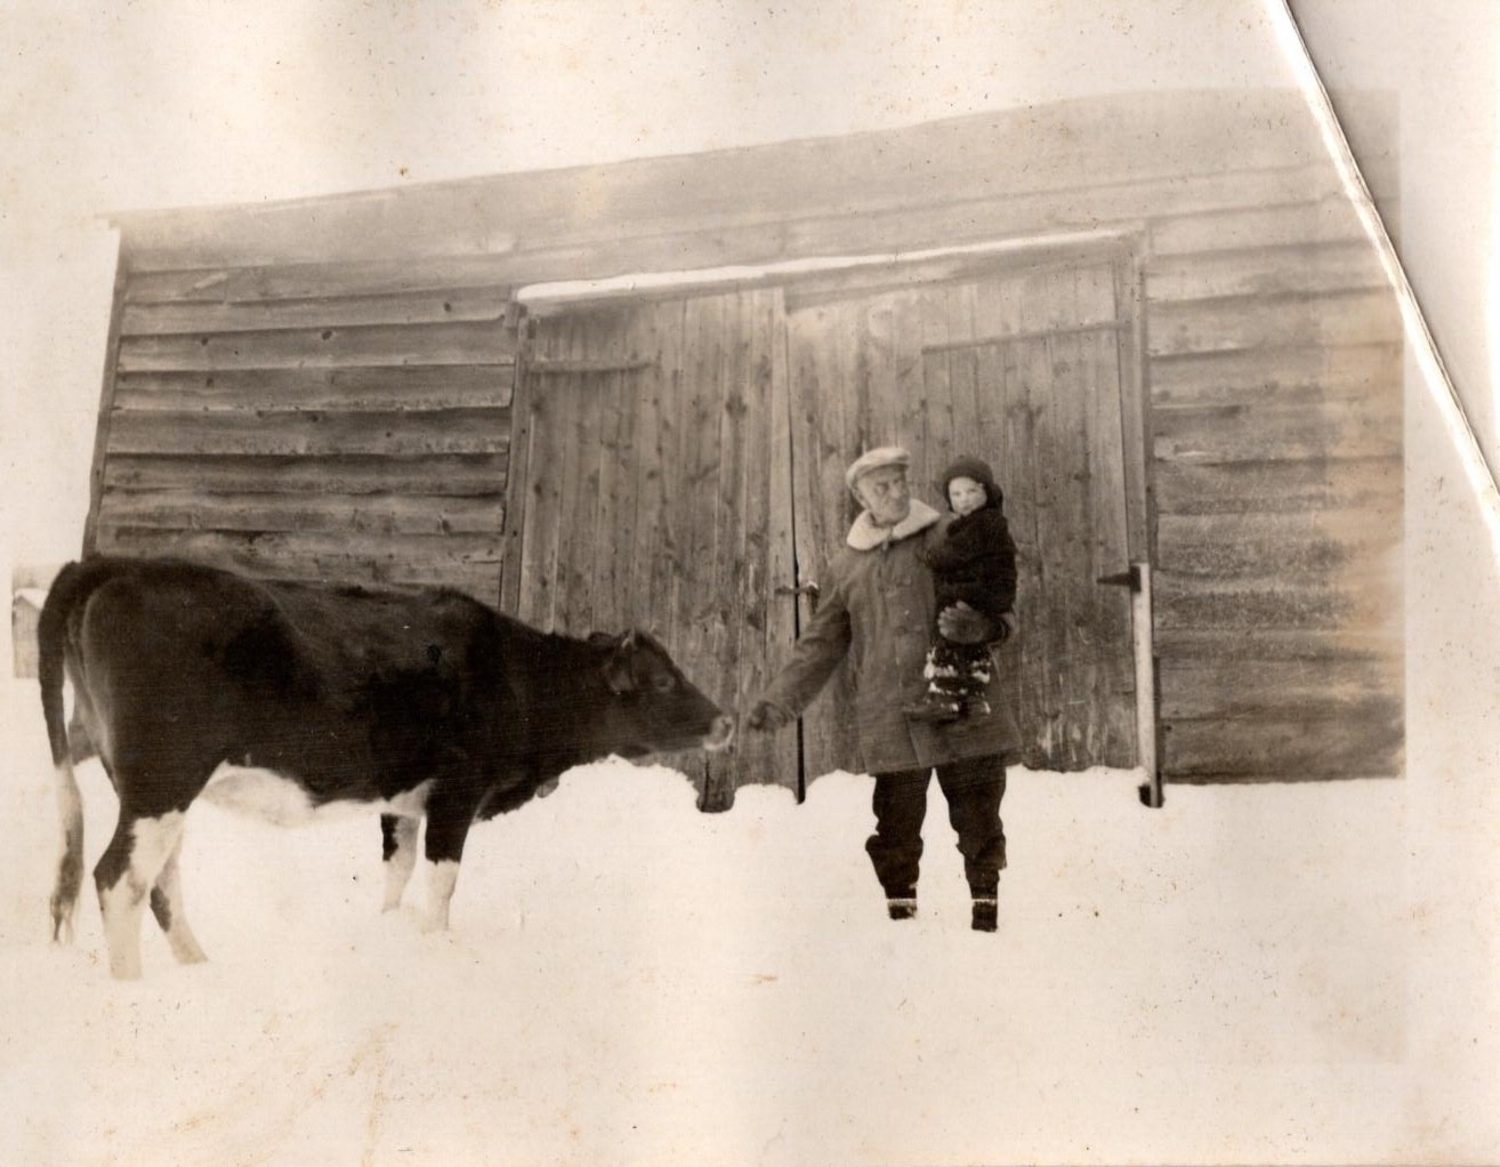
x,y
767,717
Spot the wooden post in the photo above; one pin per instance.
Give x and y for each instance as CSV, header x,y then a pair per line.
x,y
518,467
1138,580
1145,683
106,402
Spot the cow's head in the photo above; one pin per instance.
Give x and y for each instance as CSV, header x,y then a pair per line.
x,y
654,708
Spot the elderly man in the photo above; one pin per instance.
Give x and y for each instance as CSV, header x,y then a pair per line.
x,y
876,608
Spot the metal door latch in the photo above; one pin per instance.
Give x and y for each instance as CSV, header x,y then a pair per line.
x,y
1124,579
809,589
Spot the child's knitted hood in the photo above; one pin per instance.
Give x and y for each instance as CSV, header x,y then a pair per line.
x,y
979,470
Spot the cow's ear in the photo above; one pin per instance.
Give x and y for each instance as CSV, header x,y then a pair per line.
x,y
618,674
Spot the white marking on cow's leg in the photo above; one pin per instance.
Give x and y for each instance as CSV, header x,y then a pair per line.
x,y
70,863
126,872
442,877
401,862
167,907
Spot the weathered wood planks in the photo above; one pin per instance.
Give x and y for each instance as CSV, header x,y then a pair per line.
x,y
469,563
289,373
1261,270
1121,140
1306,745
678,242
343,436
439,306
330,347
1319,372
189,510
394,432
652,478
343,389
1327,320
1278,486
457,475
1020,367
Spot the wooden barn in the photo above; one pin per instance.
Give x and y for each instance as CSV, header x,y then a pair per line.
x,y
625,395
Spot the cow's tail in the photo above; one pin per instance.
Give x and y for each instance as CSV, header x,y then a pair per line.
x,y
51,643
71,588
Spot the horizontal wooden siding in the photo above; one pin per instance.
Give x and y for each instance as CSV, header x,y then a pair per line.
x,y
1275,359
358,436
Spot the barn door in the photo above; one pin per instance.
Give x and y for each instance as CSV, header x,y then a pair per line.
x,y
651,442
1025,370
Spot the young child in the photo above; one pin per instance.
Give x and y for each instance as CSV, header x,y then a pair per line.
x,y
974,564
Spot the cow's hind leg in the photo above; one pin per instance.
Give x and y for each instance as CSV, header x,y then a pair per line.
x,y
167,907
70,864
126,872
399,834
448,820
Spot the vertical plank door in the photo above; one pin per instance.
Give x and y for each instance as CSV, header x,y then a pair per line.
x,y
1024,369
657,496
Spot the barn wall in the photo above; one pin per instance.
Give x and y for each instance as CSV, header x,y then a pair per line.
x,y
275,345
352,434
1276,414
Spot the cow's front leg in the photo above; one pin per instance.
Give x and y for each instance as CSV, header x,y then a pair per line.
x,y
399,834
448,822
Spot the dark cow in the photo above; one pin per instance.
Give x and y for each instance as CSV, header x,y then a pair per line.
x,y
291,698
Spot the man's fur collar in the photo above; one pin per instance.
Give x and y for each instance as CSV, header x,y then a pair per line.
x,y
866,536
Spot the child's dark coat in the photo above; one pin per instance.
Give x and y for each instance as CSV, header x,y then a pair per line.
x,y
975,562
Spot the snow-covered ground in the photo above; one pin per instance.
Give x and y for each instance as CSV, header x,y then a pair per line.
x,y
1233,978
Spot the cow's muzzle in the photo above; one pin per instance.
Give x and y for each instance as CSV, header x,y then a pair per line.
x,y
720,735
